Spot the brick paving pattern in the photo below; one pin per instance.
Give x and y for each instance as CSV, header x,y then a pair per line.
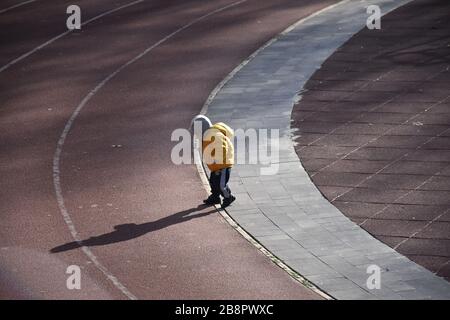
x,y
373,131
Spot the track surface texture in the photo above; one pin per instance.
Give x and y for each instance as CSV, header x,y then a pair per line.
x,y
373,130
90,115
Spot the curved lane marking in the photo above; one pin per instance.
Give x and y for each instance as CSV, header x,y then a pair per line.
x,y
16,6
39,47
68,126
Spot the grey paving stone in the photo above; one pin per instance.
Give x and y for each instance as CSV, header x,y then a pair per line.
x,y
309,267
260,232
386,293
353,293
399,286
360,260
335,284
280,245
298,253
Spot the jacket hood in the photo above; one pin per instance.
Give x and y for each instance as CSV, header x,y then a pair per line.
x,y
225,129
201,122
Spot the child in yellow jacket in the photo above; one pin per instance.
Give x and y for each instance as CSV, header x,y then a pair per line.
x,y
218,154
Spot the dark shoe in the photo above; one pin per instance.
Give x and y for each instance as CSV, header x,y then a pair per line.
x,y
227,201
212,200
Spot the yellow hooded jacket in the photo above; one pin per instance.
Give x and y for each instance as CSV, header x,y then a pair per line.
x,y
217,146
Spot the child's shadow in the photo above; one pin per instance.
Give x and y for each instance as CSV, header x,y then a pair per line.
x,y
128,231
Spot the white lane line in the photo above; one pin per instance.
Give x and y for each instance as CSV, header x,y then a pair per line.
x,y
29,53
16,6
70,224
422,229
68,126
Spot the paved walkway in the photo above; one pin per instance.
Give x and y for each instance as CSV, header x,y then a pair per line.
x,y
286,212
374,132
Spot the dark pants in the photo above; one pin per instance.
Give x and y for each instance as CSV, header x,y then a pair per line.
x,y
218,181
